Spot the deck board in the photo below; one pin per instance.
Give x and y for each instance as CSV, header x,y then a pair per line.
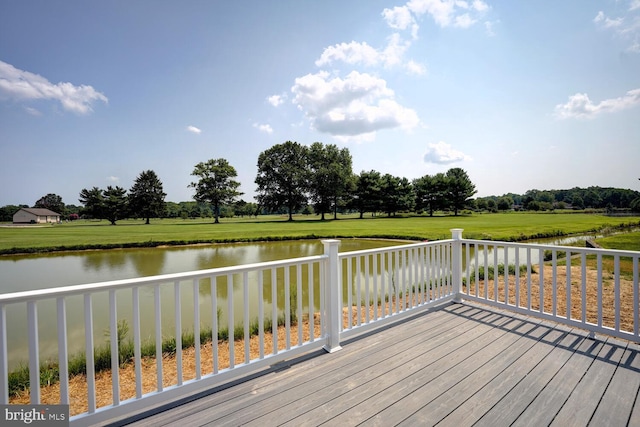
x,y
460,364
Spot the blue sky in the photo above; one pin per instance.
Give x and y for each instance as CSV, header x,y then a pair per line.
x,y
521,95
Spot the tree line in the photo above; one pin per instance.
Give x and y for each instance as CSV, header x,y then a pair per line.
x,y
294,178
602,198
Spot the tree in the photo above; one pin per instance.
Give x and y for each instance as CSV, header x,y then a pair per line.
x,y
93,202
7,212
146,198
330,175
505,203
366,196
216,185
52,202
431,192
577,202
396,194
282,177
460,188
115,203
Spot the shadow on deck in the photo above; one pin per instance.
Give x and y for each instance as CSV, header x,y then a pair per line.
x,y
459,364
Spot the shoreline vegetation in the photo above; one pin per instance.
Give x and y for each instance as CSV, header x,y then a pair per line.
x,y
100,235
510,227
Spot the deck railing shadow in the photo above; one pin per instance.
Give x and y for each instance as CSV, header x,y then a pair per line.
x,y
578,335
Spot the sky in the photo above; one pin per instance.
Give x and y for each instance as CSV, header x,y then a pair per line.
x,y
521,95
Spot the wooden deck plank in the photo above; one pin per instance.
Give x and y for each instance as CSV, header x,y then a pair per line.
x,y
475,406
460,364
369,370
584,399
544,407
516,400
306,393
618,400
246,394
431,412
387,375
383,407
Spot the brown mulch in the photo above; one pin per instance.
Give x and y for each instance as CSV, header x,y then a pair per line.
x,y
576,295
78,386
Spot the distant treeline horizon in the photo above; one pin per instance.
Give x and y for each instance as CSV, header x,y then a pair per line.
x,y
593,197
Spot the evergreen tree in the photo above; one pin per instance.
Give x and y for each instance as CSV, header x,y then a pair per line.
x,y
460,188
146,198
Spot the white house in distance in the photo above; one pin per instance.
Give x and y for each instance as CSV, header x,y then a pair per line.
x,y
35,216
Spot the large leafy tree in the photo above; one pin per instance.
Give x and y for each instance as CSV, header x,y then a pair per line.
x,y
52,202
431,192
330,177
216,184
146,198
460,188
282,177
93,201
366,196
115,203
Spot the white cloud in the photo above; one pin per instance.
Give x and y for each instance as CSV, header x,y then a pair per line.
x,y
580,106
449,12
443,154
607,22
263,128
32,111
480,6
276,100
488,25
350,53
194,129
113,179
355,53
356,105
415,68
464,21
626,26
23,85
400,18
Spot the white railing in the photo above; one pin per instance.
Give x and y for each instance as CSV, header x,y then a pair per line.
x,y
592,289
218,309
255,315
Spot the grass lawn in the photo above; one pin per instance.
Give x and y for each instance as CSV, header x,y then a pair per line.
x,y
100,234
626,241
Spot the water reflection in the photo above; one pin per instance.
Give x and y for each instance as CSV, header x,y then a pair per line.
x,y
21,273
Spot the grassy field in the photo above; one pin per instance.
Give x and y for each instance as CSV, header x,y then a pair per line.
x,y
626,242
129,233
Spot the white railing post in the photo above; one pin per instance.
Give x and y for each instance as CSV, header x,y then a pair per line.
x,y
333,291
456,264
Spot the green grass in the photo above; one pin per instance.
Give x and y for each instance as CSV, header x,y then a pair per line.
x,y
626,242
80,235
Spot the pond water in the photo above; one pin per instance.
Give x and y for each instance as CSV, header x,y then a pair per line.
x,y
31,272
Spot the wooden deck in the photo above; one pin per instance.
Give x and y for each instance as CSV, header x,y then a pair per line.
x,y
457,365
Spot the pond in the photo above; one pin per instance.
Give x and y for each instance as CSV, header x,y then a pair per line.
x,y
31,272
